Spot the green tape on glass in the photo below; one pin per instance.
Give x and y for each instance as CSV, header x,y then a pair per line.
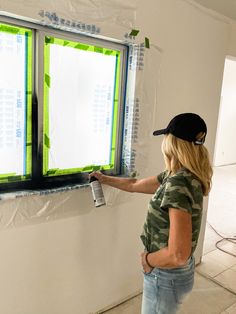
x,y
47,80
46,141
15,178
49,40
147,43
134,32
81,46
76,45
52,171
5,176
14,30
46,102
115,113
108,52
57,172
68,171
8,29
98,49
91,168
28,90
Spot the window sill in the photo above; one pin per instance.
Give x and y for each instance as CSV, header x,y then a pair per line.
x,y
17,194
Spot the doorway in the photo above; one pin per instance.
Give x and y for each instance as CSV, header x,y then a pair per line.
x,y
221,209
219,249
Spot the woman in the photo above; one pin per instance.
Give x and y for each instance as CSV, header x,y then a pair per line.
x,y
173,221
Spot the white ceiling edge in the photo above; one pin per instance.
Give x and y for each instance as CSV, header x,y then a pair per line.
x,y
225,7
211,12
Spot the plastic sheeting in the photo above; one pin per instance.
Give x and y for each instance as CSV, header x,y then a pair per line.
x,y
106,19
31,207
107,16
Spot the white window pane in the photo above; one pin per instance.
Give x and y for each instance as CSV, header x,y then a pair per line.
x,y
12,103
81,98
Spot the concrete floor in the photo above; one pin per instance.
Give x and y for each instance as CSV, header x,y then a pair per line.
x,y
214,290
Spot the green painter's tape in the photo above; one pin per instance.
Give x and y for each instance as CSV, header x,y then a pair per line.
x,y
108,52
59,172
76,45
115,113
134,32
7,175
82,47
29,86
49,40
147,43
8,29
12,177
47,80
98,49
46,141
91,168
14,30
15,178
52,171
46,104
88,168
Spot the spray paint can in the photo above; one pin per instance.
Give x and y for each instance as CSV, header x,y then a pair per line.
x,y
97,192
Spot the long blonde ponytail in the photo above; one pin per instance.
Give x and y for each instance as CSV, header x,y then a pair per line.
x,y
179,153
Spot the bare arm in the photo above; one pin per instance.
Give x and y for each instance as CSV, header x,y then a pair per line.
x,y
179,246
148,185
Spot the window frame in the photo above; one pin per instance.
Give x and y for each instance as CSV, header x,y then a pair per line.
x,y
23,30
38,180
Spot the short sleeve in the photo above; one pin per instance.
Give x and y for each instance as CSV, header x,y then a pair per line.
x,y
161,176
177,194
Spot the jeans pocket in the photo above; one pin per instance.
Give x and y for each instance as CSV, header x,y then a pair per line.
x,y
149,274
182,288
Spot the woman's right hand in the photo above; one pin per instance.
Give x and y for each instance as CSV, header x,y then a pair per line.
x,y
98,175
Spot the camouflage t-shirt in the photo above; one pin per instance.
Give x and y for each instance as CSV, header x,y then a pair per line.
x,y
182,191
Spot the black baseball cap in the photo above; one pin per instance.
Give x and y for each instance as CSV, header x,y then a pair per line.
x,y
186,126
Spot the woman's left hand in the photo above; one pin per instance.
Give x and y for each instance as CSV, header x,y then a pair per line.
x,y
147,269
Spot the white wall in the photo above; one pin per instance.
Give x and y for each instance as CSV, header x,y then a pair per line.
x,y
225,150
90,259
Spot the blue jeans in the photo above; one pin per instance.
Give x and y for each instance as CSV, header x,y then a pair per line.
x,y
164,289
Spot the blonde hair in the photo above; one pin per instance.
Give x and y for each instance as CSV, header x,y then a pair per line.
x,y
179,153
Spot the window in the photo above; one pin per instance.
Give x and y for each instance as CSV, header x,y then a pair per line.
x,y
81,86
15,103
61,103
